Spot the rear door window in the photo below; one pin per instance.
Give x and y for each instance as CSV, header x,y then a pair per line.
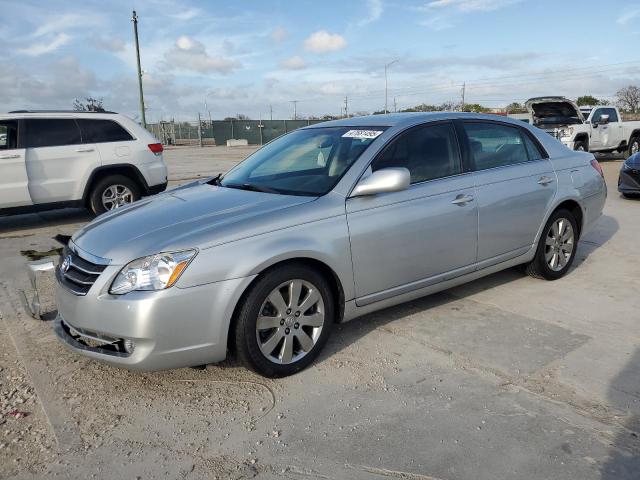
x,y
102,131
495,145
51,132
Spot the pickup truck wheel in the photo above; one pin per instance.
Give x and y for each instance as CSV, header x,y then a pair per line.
x,y
581,146
284,321
556,248
634,147
111,192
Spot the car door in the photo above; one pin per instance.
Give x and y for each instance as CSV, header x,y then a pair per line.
x,y
14,182
401,241
58,162
515,185
112,141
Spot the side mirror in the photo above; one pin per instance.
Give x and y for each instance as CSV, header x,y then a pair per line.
x,y
604,119
382,181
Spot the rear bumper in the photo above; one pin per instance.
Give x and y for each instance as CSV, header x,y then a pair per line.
x,y
158,188
172,328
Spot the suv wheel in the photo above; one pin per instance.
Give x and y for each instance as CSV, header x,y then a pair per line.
x,y
557,247
112,192
284,321
581,146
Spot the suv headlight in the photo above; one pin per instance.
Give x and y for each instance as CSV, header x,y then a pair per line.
x,y
155,272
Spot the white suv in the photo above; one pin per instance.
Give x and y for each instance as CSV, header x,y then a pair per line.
x,y
55,159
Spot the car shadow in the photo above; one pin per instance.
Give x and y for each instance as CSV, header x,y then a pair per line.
x,y
624,394
601,233
50,218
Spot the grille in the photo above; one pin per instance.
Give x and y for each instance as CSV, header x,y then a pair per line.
x,y
76,273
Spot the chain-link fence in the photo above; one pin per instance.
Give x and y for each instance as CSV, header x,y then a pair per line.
x,y
217,132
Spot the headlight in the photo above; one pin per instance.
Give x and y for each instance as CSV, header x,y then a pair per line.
x,y
155,272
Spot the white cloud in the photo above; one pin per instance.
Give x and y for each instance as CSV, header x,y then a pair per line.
x,y
437,23
375,7
111,44
46,47
293,63
188,14
626,17
190,54
324,42
279,34
471,5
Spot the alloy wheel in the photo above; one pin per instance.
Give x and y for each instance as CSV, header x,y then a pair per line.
x,y
290,321
115,196
559,244
635,147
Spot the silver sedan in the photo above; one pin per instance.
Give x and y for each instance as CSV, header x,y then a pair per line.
x,y
320,226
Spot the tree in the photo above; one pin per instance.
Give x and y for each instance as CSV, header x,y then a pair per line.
x,y
589,100
475,107
515,107
628,98
89,105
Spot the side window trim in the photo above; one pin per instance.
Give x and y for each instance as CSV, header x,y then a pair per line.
x,y
392,144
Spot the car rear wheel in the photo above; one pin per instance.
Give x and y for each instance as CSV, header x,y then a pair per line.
x,y
581,146
284,321
634,147
557,247
111,192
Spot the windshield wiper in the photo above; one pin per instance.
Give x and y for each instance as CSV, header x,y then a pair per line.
x,y
251,186
215,180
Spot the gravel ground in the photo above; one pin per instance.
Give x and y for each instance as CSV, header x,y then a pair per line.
x,y
504,378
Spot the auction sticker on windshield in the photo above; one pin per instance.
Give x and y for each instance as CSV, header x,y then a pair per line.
x,y
362,134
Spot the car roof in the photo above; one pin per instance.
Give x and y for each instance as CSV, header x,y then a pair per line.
x,y
410,118
57,114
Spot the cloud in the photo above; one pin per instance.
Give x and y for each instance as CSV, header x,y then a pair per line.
x,y
188,14
376,7
111,44
437,23
470,5
190,54
46,47
626,17
293,63
279,34
324,42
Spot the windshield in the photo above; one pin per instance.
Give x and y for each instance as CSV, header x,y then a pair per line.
x,y
585,112
303,162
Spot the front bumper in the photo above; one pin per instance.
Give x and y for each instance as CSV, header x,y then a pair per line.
x,y
629,180
172,328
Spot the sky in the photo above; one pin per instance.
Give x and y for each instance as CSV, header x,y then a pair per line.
x,y
251,57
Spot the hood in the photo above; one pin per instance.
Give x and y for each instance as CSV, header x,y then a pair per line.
x,y
553,111
202,213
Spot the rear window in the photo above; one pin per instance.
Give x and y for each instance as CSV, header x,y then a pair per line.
x,y
51,132
102,131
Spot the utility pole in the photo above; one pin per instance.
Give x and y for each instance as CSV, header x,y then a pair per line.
x,y
346,106
386,85
199,130
295,109
134,19
464,87
395,105
270,112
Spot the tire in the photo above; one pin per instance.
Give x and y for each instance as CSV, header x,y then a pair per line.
x,y
540,266
128,192
634,144
631,196
581,145
265,350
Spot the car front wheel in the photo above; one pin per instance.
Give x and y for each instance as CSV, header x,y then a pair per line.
x,y
284,321
557,247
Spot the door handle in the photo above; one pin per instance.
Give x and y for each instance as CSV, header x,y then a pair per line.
x,y
15,155
84,149
545,180
462,199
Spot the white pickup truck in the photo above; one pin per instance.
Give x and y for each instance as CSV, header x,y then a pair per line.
x,y
593,129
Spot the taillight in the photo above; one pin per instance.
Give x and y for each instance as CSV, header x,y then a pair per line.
x,y
596,165
156,148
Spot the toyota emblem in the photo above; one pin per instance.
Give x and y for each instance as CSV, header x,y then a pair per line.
x,y
66,264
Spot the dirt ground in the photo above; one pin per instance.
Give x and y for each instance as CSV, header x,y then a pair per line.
x,y
506,377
